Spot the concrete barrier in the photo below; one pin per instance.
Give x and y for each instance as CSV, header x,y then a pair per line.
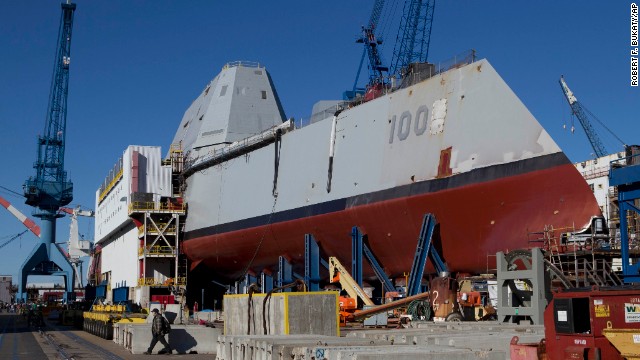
x,y
285,313
183,339
210,316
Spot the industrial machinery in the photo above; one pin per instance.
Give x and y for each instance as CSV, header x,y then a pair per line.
x,y
412,45
50,189
581,113
76,248
101,317
579,322
627,179
348,305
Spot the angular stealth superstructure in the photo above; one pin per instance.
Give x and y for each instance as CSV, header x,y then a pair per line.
x,y
459,145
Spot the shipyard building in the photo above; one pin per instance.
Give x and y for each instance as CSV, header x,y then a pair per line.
x,y
138,218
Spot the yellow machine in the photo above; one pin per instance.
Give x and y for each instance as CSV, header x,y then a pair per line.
x,y
100,319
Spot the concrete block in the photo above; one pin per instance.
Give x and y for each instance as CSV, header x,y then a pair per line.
x,y
284,313
173,313
400,352
210,316
252,347
183,339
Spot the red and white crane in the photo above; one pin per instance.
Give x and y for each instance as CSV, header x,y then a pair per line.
x,y
77,248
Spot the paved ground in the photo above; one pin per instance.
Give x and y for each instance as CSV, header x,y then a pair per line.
x,y
18,341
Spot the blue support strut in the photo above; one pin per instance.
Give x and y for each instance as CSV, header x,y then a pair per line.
x,y
420,259
285,273
311,263
356,255
627,179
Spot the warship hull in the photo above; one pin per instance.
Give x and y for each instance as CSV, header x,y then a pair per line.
x,y
459,145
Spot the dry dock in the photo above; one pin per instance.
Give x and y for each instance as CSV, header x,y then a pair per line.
x,y
424,340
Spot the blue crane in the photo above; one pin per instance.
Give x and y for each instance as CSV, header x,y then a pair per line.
x,y
412,43
371,43
581,113
414,35
578,111
50,189
371,51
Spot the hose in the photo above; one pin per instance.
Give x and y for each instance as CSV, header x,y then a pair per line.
x,y
419,309
299,284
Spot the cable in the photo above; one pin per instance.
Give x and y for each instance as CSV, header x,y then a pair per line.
x,y
298,283
13,238
12,192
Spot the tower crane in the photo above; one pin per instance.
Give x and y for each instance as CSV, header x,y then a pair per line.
x,y
50,189
581,113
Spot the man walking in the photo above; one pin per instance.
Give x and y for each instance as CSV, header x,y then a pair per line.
x,y
159,327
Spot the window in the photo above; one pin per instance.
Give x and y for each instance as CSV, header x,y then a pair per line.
x,y
264,94
223,90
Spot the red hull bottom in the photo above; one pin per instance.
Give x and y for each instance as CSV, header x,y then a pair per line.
x,y
476,221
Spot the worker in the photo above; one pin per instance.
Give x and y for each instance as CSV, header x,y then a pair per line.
x,y
159,328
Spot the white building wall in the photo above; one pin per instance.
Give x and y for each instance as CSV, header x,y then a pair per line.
x,y
596,173
114,229
120,257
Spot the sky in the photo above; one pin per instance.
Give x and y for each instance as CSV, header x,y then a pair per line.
x,y
136,66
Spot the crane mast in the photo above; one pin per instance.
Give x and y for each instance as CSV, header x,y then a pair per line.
x,y
371,43
49,189
578,111
414,35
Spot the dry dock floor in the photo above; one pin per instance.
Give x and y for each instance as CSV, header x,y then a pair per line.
x,y
488,340
19,341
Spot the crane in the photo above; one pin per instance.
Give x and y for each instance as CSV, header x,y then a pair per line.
x,y
581,113
412,45
370,41
77,248
414,35
50,189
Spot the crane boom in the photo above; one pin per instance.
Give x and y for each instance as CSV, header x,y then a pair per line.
x,y
338,273
26,221
578,111
414,35
50,189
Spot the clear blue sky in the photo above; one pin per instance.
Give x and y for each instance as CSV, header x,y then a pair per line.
x,y
137,65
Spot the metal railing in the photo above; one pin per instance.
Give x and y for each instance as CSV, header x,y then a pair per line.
x,y
240,63
149,281
392,84
152,206
157,250
170,230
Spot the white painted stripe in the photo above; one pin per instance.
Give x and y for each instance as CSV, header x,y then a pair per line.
x,y
17,213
